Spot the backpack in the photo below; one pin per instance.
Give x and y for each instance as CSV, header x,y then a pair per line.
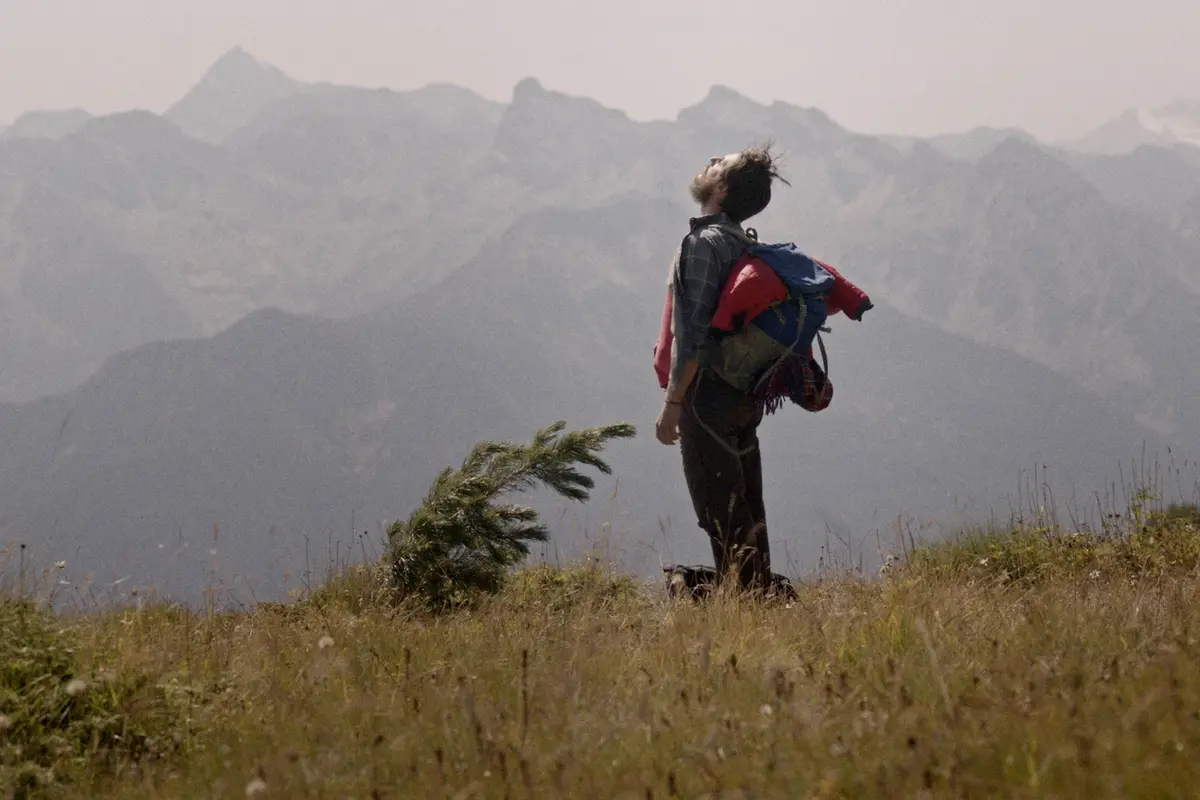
x,y
769,354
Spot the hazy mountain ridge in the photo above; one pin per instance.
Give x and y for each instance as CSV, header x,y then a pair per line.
x,y
495,267
1020,252
254,218
1123,134
229,95
1177,123
223,231
1163,183
970,145
45,124
283,427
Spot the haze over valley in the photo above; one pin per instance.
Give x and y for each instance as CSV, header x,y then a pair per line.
x,y
242,332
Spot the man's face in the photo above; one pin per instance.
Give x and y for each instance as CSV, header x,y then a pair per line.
x,y
708,187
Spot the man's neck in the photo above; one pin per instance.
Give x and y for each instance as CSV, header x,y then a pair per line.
x,y
708,209
708,214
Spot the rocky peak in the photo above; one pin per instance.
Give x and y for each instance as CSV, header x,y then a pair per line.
x,y
230,94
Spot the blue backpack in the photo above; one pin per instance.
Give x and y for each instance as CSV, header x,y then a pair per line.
x,y
750,356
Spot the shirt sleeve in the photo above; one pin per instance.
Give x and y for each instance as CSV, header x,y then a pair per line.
x,y
696,294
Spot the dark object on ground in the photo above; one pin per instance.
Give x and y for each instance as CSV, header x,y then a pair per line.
x,y
699,582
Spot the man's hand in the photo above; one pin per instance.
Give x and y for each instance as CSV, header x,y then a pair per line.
x,y
667,427
866,306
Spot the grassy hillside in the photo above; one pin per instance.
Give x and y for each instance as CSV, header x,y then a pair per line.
x,y
1029,663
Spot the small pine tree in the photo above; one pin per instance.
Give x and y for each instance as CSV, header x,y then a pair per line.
x,y
462,540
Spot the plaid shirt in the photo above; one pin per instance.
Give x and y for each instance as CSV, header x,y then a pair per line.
x,y
706,258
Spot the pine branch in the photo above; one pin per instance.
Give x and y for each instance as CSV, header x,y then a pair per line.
x,y
459,541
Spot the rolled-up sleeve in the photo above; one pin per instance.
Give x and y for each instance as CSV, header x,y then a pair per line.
x,y
697,290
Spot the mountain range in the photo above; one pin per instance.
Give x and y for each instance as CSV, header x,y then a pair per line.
x,y
253,327
46,124
1172,124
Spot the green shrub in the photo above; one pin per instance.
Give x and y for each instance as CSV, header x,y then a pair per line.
x,y
55,722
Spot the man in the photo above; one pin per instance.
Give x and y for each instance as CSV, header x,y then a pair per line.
x,y
716,424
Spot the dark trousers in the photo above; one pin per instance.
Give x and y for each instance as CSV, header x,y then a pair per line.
x,y
718,438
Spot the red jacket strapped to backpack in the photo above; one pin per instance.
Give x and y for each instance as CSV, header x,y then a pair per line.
x,y
752,288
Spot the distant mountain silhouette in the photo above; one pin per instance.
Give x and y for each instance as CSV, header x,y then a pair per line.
x,y
229,95
282,306
279,431
46,124
1174,123
1161,182
970,146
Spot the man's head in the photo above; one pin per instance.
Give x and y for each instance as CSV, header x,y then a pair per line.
x,y
738,184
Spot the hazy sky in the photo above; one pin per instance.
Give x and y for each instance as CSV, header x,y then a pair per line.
x,y
1054,67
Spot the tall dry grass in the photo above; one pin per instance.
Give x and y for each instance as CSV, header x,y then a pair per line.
x,y
946,678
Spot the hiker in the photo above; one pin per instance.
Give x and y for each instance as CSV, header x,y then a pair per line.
x,y
725,482
711,408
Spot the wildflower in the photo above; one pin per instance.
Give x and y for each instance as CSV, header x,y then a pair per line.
x,y
76,686
256,787
60,564
766,710
324,642
1095,574
983,562
5,723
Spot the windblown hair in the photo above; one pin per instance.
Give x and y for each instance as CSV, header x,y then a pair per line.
x,y
748,183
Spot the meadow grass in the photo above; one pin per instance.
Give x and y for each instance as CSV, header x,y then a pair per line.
x,y
1028,664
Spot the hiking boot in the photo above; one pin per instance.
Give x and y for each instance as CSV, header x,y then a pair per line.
x,y
698,582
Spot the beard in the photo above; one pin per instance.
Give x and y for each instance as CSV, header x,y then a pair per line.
x,y
704,186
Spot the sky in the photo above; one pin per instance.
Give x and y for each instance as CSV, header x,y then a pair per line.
x,y
1057,68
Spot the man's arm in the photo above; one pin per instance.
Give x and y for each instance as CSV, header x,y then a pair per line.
x,y
697,292
676,391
